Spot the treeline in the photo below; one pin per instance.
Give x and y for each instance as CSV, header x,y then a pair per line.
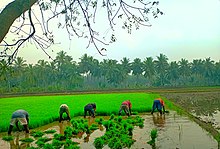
x,y
65,74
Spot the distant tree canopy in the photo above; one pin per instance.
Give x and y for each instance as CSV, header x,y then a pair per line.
x,y
65,74
31,20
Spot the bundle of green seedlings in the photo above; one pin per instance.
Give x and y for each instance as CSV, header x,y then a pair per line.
x,y
43,142
153,135
118,133
7,138
78,126
57,141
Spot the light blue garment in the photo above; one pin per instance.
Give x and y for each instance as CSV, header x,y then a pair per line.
x,y
20,114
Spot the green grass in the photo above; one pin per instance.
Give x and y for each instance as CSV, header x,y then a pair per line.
x,y
45,109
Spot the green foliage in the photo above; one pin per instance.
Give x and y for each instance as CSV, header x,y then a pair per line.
x,y
68,132
7,138
217,137
69,144
134,113
141,125
57,143
119,119
98,143
99,120
94,127
28,140
118,145
112,116
44,139
51,131
48,146
153,135
119,132
40,143
36,105
112,142
37,134
59,137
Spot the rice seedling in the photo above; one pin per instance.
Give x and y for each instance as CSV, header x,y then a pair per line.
x,y
57,143
153,135
27,140
51,131
111,117
36,105
94,127
68,132
59,137
71,144
118,145
99,120
98,143
37,134
118,132
134,113
44,139
7,138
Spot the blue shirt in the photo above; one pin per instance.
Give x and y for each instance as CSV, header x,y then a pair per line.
x,y
20,114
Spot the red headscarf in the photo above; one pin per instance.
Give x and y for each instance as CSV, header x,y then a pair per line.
x,y
161,101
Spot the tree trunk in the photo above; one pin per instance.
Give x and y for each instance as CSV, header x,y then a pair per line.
x,y
11,12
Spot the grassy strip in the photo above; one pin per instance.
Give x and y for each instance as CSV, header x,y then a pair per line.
x,y
45,109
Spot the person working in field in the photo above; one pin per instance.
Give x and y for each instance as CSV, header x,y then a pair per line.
x,y
126,106
91,108
64,109
159,105
21,116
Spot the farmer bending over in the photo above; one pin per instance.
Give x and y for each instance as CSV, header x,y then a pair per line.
x,y
91,108
21,116
126,106
64,109
159,105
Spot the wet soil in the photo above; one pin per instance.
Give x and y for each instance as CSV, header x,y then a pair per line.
x,y
203,105
174,132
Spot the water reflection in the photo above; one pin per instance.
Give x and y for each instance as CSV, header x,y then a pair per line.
x,y
91,120
174,131
15,144
159,120
203,105
61,127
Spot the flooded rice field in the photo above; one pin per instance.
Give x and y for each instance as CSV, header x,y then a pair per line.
x,y
174,132
204,105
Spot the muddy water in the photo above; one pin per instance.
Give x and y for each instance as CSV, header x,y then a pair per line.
x,y
174,132
204,105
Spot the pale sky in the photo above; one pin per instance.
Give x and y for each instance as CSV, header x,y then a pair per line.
x,y
189,29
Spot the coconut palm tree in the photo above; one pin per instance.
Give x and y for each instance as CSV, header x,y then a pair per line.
x,y
126,65
5,74
208,70
173,73
149,69
161,65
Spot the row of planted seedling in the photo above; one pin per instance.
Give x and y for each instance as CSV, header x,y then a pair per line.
x,y
118,134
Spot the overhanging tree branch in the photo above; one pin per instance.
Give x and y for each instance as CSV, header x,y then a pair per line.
x,y
78,17
11,12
